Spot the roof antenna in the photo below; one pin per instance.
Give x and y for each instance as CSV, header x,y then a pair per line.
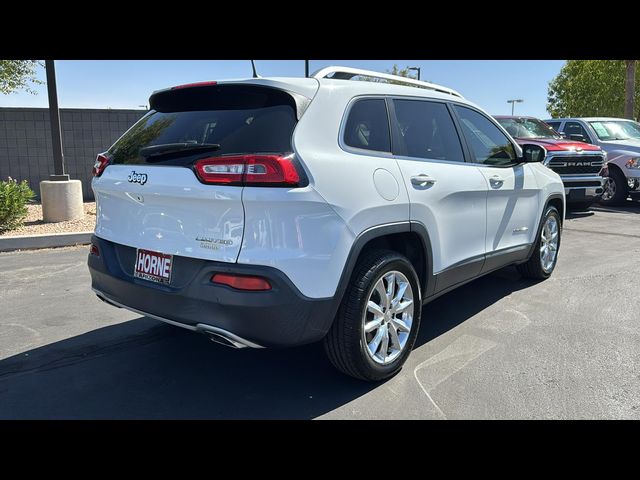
x,y
253,67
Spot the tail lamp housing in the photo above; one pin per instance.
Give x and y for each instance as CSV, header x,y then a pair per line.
x,y
252,170
102,161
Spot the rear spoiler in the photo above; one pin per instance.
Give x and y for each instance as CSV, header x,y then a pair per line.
x,y
209,95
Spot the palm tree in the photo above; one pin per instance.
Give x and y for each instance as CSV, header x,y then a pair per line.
x,y
629,89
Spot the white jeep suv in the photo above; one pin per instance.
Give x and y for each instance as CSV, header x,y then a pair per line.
x,y
271,212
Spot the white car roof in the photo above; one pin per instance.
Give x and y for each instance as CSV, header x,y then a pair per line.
x,y
588,119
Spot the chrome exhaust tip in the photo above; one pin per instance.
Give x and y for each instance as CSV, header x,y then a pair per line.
x,y
218,335
217,338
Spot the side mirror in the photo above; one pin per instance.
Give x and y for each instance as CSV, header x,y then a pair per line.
x,y
578,137
562,135
533,153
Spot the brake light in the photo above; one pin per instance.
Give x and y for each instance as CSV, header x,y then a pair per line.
x,y
242,282
262,170
94,250
102,160
197,84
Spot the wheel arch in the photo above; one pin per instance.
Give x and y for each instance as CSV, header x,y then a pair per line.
x,y
558,201
615,166
555,200
410,239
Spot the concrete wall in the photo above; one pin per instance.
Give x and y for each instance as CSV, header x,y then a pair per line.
x,y
25,142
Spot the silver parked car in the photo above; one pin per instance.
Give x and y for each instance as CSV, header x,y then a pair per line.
x,y
620,139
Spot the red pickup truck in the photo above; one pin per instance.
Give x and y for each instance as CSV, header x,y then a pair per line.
x,y
579,164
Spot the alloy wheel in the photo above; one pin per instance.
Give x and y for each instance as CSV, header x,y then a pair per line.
x,y
388,317
609,189
549,243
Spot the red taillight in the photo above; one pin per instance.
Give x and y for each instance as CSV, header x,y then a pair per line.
x,y
242,282
94,250
197,84
266,170
102,161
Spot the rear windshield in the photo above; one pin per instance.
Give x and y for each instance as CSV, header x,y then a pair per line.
x,y
234,119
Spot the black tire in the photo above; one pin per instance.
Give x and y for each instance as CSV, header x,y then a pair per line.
x,y
621,188
344,344
579,206
532,268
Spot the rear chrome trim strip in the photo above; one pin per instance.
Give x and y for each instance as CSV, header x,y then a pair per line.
x,y
239,342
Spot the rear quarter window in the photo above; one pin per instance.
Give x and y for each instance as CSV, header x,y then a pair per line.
x,y
367,126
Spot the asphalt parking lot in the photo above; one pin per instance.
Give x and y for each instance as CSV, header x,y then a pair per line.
x,y
499,347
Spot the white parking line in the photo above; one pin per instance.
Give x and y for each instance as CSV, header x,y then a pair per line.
x,y
508,321
445,363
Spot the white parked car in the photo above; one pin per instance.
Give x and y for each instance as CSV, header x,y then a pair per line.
x,y
272,212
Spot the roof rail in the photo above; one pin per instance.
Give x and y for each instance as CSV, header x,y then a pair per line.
x,y
347,73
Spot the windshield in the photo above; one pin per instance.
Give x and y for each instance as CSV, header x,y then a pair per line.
x,y
527,128
616,129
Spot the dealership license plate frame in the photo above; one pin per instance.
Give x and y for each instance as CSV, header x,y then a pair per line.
x,y
153,277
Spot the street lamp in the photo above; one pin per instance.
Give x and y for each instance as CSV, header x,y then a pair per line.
x,y
415,69
513,102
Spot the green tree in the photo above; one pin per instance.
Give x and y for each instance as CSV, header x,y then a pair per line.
x,y
401,72
395,70
590,88
18,75
142,134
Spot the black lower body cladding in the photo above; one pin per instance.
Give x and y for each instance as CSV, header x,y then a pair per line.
x,y
278,317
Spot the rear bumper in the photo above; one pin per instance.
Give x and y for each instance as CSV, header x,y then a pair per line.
x,y
279,317
582,188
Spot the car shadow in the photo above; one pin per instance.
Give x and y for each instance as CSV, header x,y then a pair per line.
x,y
146,369
574,215
629,207
447,312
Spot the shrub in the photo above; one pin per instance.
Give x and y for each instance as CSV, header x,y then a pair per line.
x,y
14,197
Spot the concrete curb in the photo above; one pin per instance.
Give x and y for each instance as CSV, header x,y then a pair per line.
x,y
28,242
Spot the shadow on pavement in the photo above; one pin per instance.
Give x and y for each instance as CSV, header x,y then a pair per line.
x,y
631,206
146,369
573,215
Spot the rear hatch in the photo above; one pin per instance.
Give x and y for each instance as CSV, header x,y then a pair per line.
x,y
173,182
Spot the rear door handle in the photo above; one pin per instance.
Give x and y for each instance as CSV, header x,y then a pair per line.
x,y
496,181
422,180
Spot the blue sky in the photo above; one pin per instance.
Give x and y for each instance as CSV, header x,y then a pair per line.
x,y
128,83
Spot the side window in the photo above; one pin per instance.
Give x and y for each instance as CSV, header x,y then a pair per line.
x,y
488,144
427,131
574,128
368,126
554,125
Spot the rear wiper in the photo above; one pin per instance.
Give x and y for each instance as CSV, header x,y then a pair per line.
x,y
167,148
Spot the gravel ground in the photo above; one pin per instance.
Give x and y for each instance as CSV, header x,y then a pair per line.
x,y
33,224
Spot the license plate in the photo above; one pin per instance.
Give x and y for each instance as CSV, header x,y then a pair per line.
x,y
153,266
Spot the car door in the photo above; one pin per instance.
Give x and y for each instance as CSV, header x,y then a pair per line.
x,y
513,195
447,195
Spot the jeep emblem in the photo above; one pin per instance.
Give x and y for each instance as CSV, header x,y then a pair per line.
x,y
134,177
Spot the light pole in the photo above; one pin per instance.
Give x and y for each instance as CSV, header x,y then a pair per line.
x,y
54,115
306,68
513,102
415,69
61,197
